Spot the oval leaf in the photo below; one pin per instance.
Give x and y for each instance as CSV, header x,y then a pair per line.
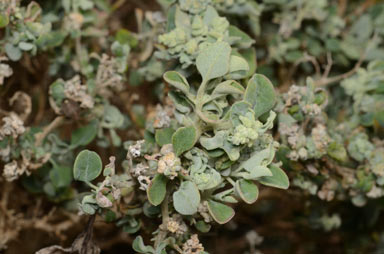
x,y
164,136
278,179
184,139
177,80
213,61
220,213
87,166
247,190
4,20
238,67
84,135
261,94
61,176
228,87
187,198
157,189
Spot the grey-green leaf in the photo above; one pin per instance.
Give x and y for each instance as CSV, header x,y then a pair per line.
x,y
259,158
220,213
164,136
13,52
87,166
177,80
157,189
139,246
239,109
60,176
215,142
202,226
84,135
249,55
278,179
243,39
184,139
261,94
238,67
187,198
247,190
26,46
228,87
213,61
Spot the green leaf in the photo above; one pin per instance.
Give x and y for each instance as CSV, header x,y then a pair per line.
x,y
51,39
164,136
213,61
220,213
157,189
202,226
61,176
56,90
25,46
113,118
259,158
186,199
209,15
85,4
4,20
139,246
177,80
379,117
84,135
228,87
243,39
250,56
278,179
87,166
184,139
232,151
180,102
207,179
247,190
260,93
215,142
123,36
337,152
13,53
239,109
89,205
238,67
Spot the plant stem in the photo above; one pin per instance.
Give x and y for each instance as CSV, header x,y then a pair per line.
x,y
231,181
165,216
91,185
53,125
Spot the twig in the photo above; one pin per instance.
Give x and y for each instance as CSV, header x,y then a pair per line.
x,y
53,125
324,81
328,66
328,81
307,58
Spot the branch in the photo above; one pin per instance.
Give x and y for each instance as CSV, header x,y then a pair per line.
x,y
53,125
327,81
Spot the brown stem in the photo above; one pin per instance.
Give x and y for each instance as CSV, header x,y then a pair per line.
x,y
324,81
53,125
328,81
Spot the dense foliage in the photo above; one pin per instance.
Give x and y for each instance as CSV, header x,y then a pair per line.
x,y
162,118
